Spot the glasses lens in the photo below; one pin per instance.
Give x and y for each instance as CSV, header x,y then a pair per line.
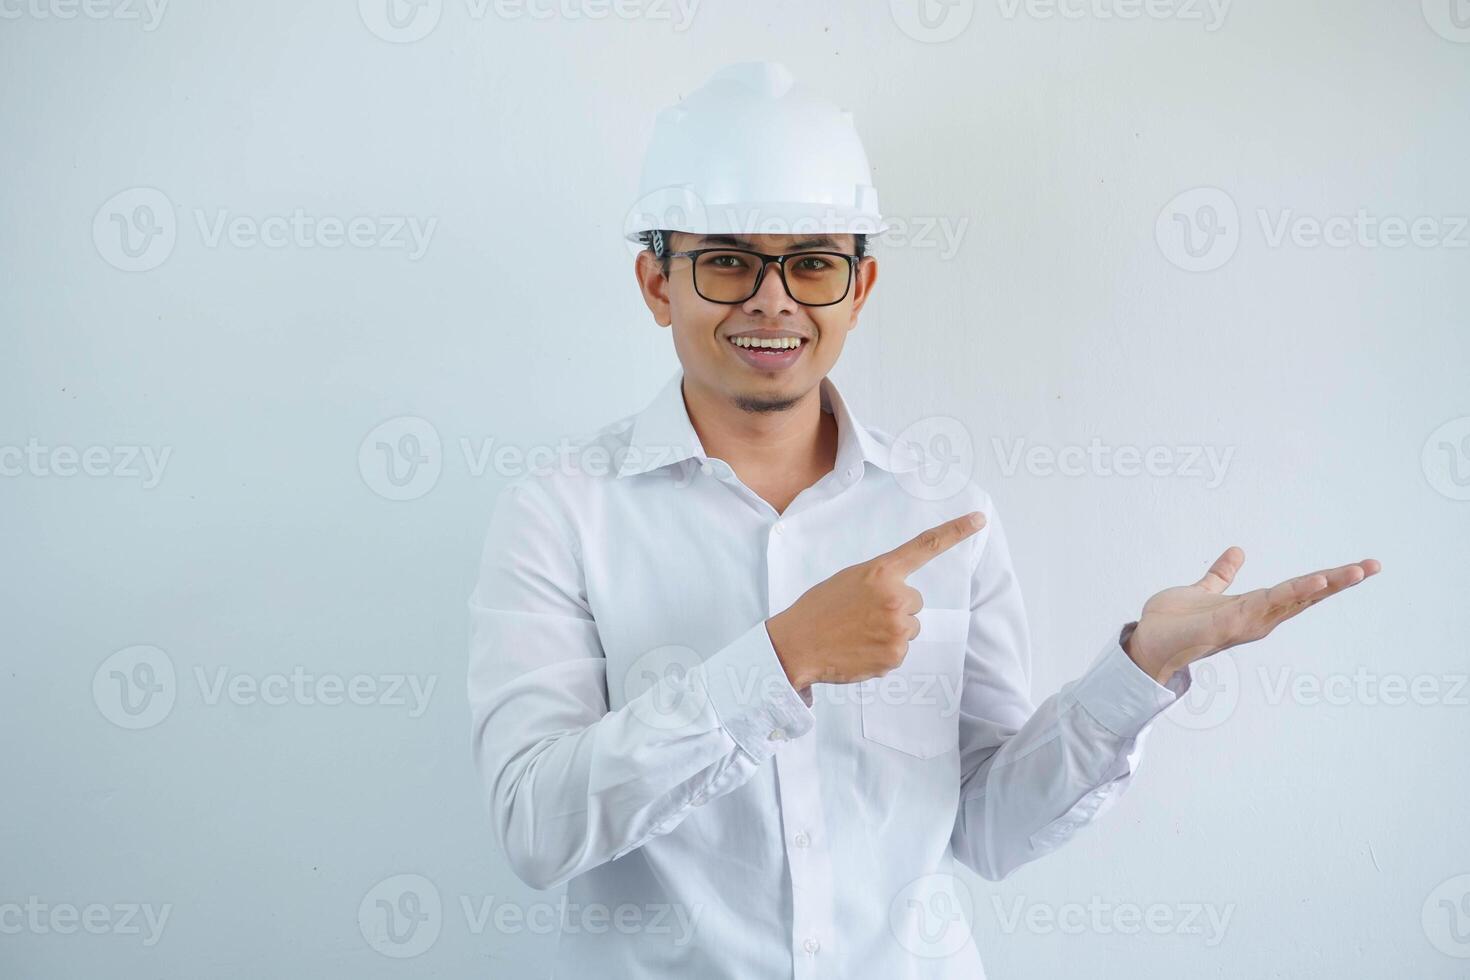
x,y
726,277
817,278
814,278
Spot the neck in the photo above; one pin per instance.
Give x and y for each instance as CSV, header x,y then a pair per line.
x,y
776,447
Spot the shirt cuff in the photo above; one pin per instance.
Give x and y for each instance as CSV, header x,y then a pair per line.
x,y
753,698
1121,696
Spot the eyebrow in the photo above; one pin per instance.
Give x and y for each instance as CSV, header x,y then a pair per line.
x,y
819,242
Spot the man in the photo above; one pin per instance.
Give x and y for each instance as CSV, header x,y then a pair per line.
x,y
745,688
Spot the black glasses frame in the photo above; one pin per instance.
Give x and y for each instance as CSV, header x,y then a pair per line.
x,y
766,260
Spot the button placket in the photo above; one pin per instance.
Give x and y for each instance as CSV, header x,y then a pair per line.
x,y
798,787
798,779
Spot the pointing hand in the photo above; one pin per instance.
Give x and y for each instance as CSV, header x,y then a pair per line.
x,y
858,623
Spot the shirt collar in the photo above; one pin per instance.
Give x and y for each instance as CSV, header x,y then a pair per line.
x,y
663,435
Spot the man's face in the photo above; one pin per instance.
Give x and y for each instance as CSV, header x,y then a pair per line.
x,y
705,331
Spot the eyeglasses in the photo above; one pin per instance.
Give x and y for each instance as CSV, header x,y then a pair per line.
x,y
734,275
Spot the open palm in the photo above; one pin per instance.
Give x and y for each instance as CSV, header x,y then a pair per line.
x,y
1188,622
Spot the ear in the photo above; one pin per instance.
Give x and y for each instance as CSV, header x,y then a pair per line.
x,y
655,287
864,277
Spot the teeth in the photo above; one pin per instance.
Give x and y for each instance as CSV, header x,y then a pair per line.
x,y
778,343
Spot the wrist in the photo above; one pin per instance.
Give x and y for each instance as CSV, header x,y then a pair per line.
x,y
1148,661
796,675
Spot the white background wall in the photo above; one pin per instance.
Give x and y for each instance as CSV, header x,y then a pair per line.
x,y
1051,146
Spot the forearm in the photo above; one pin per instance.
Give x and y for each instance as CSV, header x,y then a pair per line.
x,y
1035,786
571,788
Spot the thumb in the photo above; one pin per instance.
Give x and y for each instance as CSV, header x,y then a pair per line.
x,y
1222,573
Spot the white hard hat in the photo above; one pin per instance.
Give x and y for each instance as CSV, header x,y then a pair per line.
x,y
753,151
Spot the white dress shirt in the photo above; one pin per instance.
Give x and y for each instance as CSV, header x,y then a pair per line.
x,y
638,740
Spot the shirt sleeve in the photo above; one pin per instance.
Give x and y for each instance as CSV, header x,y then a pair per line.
x,y
1030,777
570,784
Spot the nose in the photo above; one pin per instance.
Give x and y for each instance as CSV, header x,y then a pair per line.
x,y
771,298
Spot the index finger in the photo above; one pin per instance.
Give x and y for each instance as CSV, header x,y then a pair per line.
x,y
912,555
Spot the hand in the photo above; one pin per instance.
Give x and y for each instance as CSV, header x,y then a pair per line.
x,y
1191,622
858,623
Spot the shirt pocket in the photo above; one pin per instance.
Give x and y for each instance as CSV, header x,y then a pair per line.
x,y
915,707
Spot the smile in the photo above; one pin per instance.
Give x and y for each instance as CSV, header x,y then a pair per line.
x,y
768,353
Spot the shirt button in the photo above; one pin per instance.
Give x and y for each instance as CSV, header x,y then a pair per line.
x,y
848,474
706,468
802,840
811,945
780,528
699,800
778,734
